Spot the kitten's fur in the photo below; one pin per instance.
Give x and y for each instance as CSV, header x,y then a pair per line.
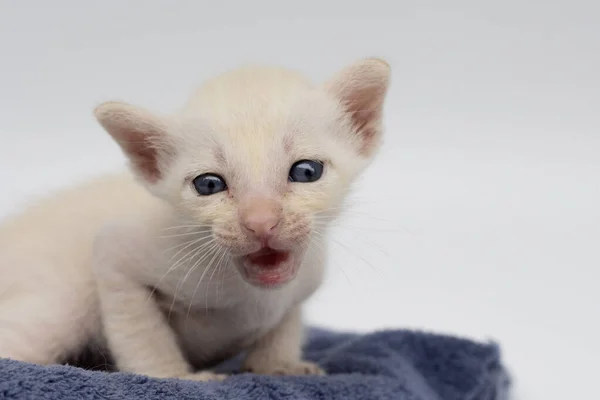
x,y
80,268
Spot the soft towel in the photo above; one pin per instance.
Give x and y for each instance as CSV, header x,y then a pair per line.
x,y
391,365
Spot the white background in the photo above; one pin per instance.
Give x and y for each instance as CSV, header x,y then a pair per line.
x,y
481,216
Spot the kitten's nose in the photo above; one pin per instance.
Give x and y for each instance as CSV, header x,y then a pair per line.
x,y
261,217
262,225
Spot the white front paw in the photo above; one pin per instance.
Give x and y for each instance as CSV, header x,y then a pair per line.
x,y
285,368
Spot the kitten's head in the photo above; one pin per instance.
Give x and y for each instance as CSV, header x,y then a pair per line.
x,y
260,155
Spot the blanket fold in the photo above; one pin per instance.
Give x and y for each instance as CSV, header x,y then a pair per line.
x,y
390,365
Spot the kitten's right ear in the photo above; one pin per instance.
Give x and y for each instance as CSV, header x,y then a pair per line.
x,y
142,136
361,89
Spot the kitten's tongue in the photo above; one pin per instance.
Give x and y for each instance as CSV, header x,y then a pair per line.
x,y
268,258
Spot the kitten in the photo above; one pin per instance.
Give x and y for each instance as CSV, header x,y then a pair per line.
x,y
213,242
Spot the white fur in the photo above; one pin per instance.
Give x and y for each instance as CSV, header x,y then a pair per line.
x,y
82,267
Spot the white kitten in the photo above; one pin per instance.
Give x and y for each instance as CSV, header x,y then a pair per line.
x,y
213,243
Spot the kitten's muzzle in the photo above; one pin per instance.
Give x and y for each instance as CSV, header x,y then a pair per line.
x,y
260,218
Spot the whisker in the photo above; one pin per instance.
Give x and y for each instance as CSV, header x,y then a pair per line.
x,y
345,212
321,245
355,254
196,264
189,245
345,226
223,253
197,232
181,244
189,256
181,261
366,238
359,213
221,277
215,249
183,227
347,249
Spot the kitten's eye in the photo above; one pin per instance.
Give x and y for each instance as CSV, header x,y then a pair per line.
x,y
306,171
208,184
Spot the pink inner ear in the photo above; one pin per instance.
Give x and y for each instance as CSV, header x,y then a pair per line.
x,y
143,154
364,104
142,136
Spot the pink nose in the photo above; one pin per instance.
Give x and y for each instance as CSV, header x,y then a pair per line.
x,y
261,217
262,225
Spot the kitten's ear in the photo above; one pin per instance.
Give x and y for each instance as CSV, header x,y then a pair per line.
x,y
143,137
361,89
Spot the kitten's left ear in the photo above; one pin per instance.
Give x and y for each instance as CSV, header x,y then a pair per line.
x,y
361,89
142,136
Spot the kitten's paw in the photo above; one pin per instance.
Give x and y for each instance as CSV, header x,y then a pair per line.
x,y
203,376
286,368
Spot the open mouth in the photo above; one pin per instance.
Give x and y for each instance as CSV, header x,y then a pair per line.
x,y
268,267
268,258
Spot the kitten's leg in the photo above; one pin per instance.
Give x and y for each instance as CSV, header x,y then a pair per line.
x,y
138,335
279,351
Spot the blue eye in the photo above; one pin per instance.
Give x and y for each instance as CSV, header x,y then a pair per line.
x,y
306,171
208,184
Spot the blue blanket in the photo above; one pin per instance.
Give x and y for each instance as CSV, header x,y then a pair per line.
x,y
391,365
